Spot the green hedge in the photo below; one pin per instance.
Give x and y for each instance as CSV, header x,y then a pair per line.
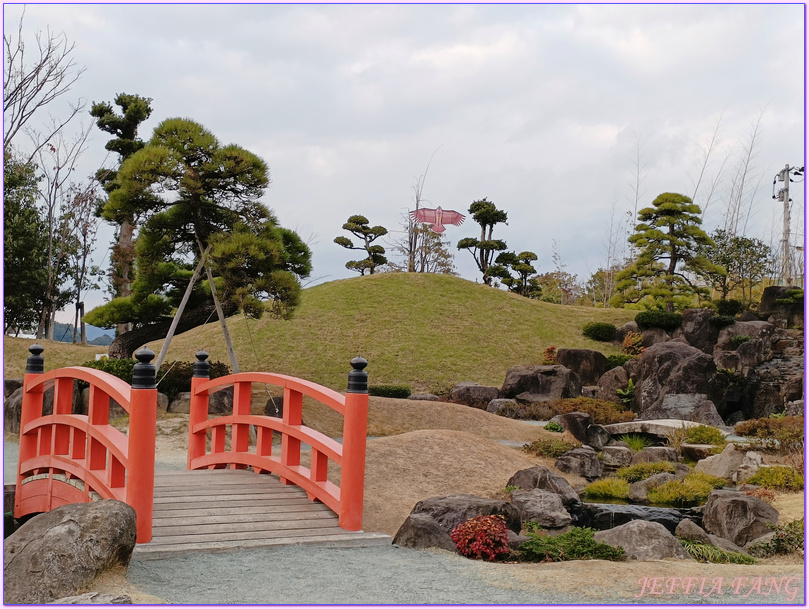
x,y
390,391
613,361
658,319
172,378
600,331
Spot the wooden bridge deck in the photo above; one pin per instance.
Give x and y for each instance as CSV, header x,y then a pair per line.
x,y
223,510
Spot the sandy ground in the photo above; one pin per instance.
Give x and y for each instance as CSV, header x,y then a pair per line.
x,y
442,449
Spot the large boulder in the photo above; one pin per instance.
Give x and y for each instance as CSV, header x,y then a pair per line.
x,y
472,394
530,384
12,411
587,363
451,510
622,331
603,516
761,333
687,407
613,457
783,314
574,422
652,336
653,454
582,461
643,540
58,553
734,464
597,437
697,329
737,517
639,491
673,368
688,529
610,382
542,507
219,403
10,386
421,531
543,478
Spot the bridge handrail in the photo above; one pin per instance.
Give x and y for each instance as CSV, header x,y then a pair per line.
x,y
345,499
58,448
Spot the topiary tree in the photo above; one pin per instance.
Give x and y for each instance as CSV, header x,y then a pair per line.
x,y
523,284
358,226
485,249
669,239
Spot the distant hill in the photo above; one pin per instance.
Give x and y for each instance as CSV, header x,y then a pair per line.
x,y
423,330
95,336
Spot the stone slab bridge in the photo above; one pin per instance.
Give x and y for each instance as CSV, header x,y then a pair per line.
x,y
234,494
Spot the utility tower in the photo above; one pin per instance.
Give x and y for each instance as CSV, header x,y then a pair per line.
x,y
783,196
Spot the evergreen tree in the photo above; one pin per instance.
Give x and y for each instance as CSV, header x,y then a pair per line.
x,y
190,190
669,239
520,264
485,249
358,226
25,247
124,126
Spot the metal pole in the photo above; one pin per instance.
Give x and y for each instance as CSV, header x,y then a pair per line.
x,y
787,261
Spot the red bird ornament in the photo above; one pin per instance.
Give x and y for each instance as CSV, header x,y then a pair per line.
x,y
438,218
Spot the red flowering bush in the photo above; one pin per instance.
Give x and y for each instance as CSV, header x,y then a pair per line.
x,y
482,537
549,356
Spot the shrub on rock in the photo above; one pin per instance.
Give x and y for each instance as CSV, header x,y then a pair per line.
x,y
601,331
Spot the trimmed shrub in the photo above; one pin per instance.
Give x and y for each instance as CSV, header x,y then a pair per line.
x,y
636,441
607,488
778,477
600,331
633,343
613,361
788,538
549,448
576,544
602,412
482,537
764,494
704,552
389,391
549,356
792,297
658,319
688,492
720,321
175,377
730,307
783,435
641,471
739,339
704,434
122,368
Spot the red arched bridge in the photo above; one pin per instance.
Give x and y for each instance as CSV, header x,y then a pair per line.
x,y
220,501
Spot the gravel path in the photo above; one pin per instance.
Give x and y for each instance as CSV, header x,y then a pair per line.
x,y
392,575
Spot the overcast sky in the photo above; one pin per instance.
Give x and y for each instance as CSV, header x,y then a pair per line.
x,y
539,108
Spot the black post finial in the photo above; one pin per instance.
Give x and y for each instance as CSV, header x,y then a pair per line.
x,y
202,368
35,364
143,374
358,378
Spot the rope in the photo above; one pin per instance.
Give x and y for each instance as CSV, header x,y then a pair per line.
x,y
174,363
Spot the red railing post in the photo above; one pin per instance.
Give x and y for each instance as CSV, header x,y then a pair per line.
x,y
198,410
31,409
355,426
141,454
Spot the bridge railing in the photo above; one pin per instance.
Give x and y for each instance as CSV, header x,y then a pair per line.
x,y
207,441
76,458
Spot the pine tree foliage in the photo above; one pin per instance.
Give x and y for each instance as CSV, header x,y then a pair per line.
x,y
484,250
668,239
358,226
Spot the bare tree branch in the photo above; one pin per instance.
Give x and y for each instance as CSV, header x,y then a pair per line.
x,y
29,85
